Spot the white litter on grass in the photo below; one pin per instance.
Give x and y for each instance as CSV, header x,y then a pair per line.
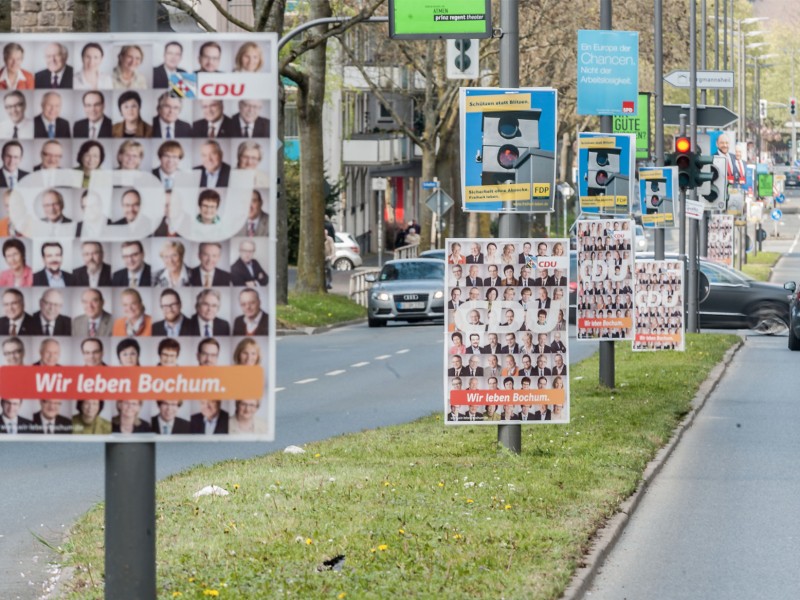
x,y
211,490
293,450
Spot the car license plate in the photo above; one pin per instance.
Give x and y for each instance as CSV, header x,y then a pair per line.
x,y
410,305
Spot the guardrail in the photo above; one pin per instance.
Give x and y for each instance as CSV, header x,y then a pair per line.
x,y
410,251
359,286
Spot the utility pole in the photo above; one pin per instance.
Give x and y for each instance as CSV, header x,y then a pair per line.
x,y
606,126
130,479
658,28
691,290
510,225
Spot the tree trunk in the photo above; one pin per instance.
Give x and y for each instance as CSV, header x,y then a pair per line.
x,y
310,100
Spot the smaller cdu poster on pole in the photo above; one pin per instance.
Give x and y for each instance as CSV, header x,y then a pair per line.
x,y
606,167
508,146
506,330
658,321
658,196
608,72
604,302
720,239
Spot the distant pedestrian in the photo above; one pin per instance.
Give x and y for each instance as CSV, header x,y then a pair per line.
x,y
330,253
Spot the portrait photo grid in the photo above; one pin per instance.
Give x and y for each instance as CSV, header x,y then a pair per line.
x,y
144,235
720,239
506,333
604,303
658,320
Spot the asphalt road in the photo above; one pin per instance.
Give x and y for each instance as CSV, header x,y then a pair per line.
x,y
345,380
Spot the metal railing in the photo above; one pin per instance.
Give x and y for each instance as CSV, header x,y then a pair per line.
x,y
410,251
359,286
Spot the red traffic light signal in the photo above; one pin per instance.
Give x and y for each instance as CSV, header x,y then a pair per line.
x,y
792,106
683,145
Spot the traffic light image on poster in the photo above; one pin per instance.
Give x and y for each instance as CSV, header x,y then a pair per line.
x,y
658,189
605,164
508,149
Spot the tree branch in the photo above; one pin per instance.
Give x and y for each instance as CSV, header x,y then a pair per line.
x,y
180,5
229,17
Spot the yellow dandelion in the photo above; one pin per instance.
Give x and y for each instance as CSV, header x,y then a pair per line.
x,y
317,455
456,536
214,593
343,594
508,507
372,550
386,484
191,579
177,594
236,486
309,541
470,500
401,531
383,547
441,484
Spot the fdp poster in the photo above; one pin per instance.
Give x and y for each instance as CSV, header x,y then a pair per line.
x,y
658,196
720,239
658,321
138,242
508,146
506,347
606,168
605,279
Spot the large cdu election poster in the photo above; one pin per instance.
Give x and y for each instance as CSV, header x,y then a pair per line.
x,y
658,316
507,341
137,238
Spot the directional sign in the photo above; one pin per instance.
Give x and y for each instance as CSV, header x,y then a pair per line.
x,y
707,116
433,202
776,214
429,185
780,198
709,80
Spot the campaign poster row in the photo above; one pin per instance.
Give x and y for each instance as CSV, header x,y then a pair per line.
x,y
136,289
604,303
506,334
658,320
720,239
508,149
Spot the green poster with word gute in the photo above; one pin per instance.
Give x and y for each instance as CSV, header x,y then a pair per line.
x,y
423,19
765,184
638,124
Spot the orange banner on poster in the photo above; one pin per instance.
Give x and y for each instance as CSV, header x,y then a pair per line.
x,y
618,323
126,383
660,338
482,397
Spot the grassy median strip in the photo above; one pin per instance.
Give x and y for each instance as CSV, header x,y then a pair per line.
x,y
760,267
418,510
316,310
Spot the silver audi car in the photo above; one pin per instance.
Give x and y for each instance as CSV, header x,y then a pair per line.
x,y
411,289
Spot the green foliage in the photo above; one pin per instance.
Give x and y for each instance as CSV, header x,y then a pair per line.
x,y
291,192
419,510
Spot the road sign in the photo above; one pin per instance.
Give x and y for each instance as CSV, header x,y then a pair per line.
x,y
433,202
780,198
707,116
379,184
430,185
776,214
709,80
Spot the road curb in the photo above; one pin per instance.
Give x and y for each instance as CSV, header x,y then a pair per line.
x,y
606,538
322,329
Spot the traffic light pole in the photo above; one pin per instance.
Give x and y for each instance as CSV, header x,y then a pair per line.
x,y
509,436
658,28
691,288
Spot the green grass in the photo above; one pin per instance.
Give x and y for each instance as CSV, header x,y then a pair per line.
x,y
316,310
418,510
760,266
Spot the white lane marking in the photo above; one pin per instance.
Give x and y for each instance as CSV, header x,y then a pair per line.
x,y
403,351
337,372
361,364
279,390
303,381
383,357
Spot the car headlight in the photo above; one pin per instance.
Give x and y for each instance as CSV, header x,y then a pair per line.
x,y
439,294
382,296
